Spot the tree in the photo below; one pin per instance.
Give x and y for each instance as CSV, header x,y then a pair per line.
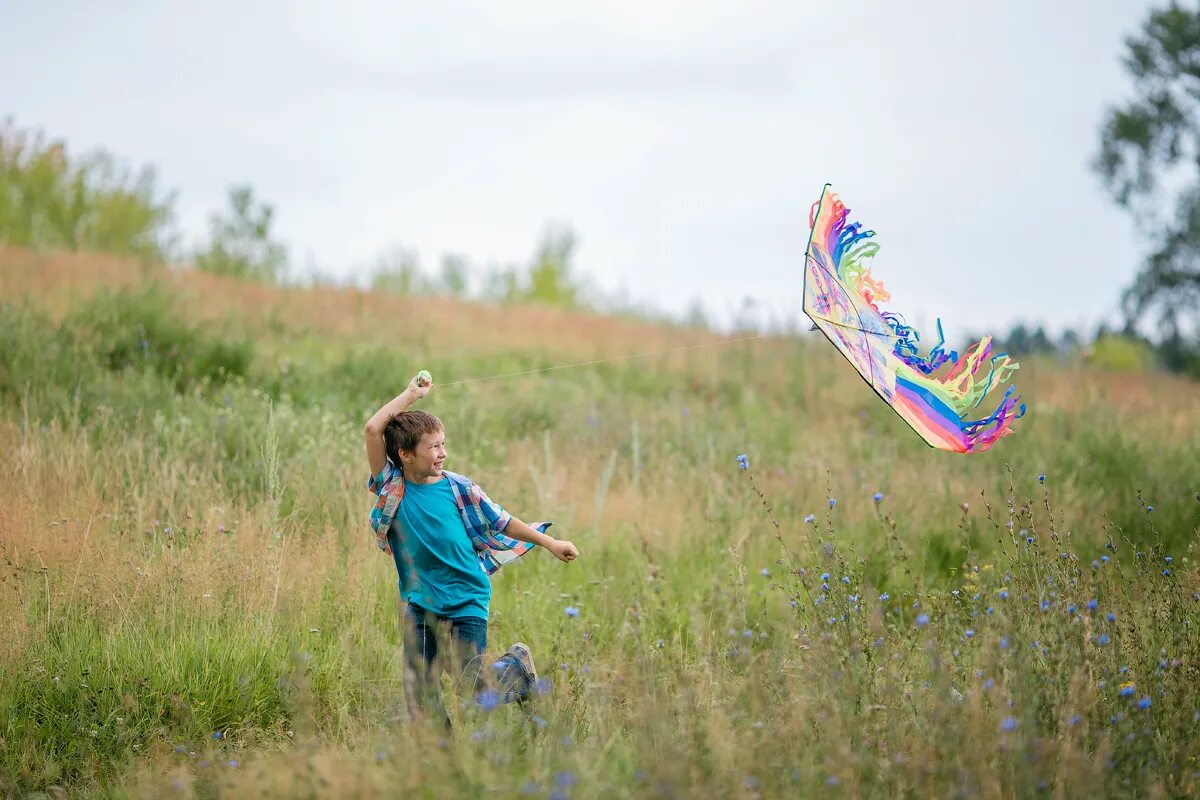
x,y
241,243
399,270
1150,161
550,278
49,199
455,275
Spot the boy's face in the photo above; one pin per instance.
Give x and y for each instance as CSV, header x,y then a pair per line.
x,y
427,458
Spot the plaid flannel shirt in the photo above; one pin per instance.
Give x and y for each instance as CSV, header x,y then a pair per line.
x,y
483,520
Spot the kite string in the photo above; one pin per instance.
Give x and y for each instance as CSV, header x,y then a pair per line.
x,y
602,360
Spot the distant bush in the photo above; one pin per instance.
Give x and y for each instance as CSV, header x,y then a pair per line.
x,y
132,329
95,203
1121,354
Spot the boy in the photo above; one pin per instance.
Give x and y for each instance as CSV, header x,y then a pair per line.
x,y
446,538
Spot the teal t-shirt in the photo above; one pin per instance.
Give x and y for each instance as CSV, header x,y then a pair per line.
x,y
439,570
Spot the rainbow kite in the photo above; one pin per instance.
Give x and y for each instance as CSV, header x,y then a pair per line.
x,y
841,298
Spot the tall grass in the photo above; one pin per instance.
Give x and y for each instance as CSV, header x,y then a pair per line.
x,y
196,606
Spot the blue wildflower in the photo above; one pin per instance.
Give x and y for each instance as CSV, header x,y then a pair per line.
x,y
1144,703
218,735
1075,719
180,748
989,683
832,502
1071,609
1009,724
989,611
743,462
846,579
1126,689
1045,604
1168,559
488,700
1042,478
922,620
1092,605
824,576
810,519
766,573
883,598
1102,639
1004,594
970,634
1003,642
232,763
1111,617
877,497
571,611
1150,508
1166,573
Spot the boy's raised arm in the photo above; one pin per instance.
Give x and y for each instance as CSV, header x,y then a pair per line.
x,y
417,388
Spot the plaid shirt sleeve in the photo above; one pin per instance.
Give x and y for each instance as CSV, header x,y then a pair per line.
x,y
495,517
388,485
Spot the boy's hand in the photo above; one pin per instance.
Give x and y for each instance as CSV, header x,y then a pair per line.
x,y
563,550
421,383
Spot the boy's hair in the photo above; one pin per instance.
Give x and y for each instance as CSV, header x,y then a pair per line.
x,y
404,432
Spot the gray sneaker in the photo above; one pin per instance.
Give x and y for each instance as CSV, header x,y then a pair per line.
x,y
516,673
520,651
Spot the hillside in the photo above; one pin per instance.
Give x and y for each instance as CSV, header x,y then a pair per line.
x,y
187,563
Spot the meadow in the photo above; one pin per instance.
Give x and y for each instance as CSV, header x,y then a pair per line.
x,y
193,605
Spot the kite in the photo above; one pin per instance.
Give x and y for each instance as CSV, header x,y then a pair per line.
x,y
935,394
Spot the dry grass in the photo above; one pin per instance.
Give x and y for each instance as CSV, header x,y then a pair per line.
x,y
156,598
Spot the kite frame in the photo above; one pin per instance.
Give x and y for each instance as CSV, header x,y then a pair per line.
x,y
804,305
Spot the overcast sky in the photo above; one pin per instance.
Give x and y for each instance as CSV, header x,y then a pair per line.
x,y
683,141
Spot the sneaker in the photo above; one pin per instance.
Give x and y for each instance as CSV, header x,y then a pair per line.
x,y
520,651
518,675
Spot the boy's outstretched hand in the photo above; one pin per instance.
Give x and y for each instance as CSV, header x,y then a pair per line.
x,y
563,550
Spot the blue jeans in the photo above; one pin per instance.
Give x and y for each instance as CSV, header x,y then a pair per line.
x,y
431,642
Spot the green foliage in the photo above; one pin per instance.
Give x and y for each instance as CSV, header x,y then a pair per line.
x,y
399,271
551,280
1121,354
50,200
548,279
688,671
1152,143
145,328
240,242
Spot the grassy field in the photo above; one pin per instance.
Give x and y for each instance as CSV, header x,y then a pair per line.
x,y
193,604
